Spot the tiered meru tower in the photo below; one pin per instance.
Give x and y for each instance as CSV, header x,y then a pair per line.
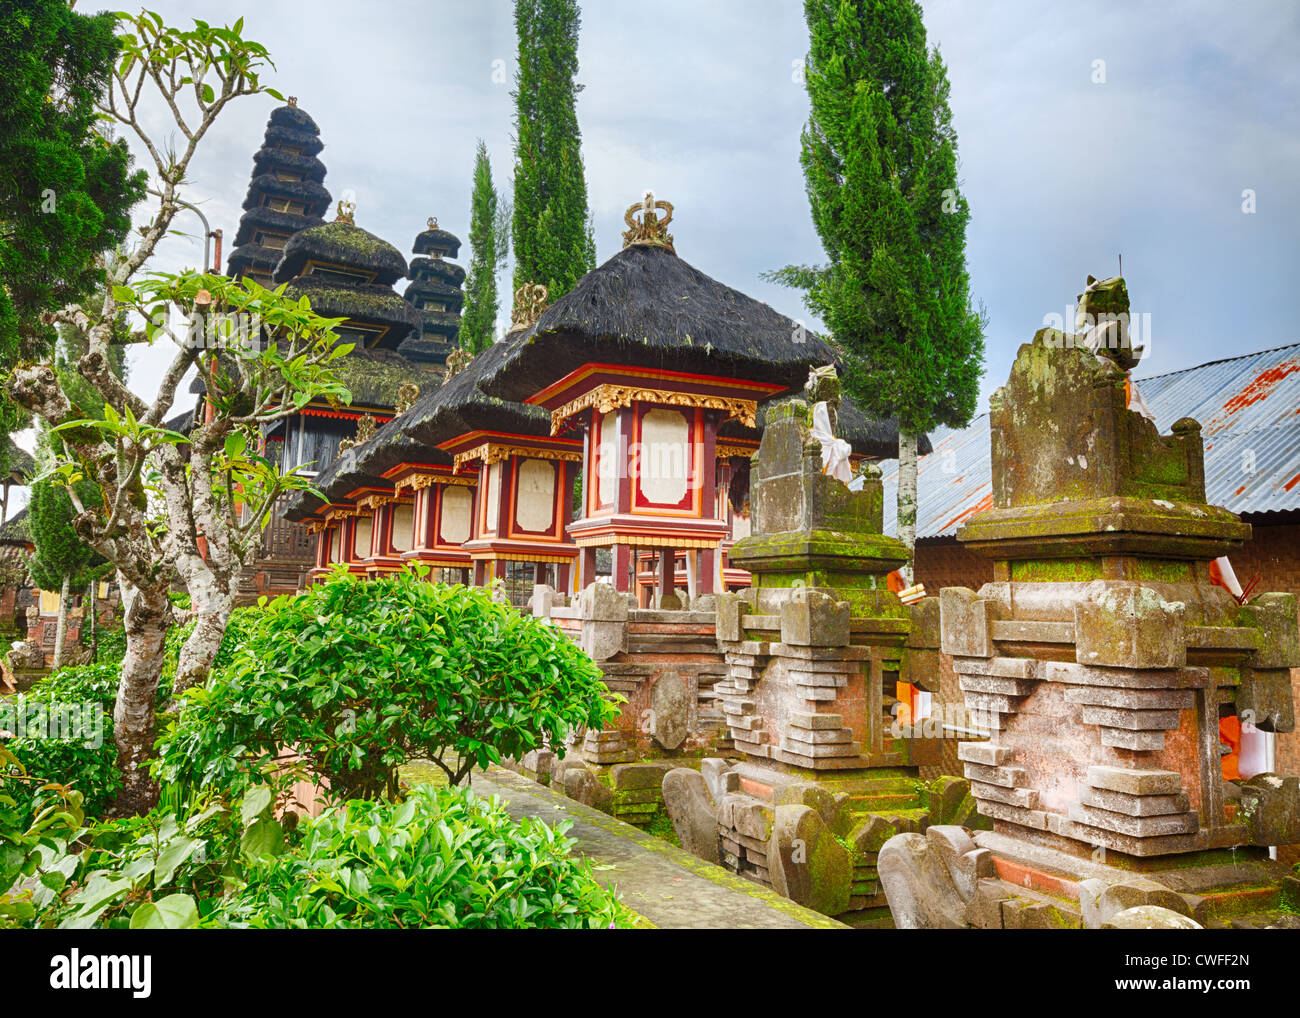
x,y
286,194
435,290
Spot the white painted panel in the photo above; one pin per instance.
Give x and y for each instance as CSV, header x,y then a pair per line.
x,y
740,527
361,538
535,510
403,528
454,525
608,467
665,456
493,497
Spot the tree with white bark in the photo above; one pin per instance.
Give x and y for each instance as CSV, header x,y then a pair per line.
x,y
178,506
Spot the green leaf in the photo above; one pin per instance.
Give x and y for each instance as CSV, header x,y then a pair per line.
x,y
264,840
255,802
174,912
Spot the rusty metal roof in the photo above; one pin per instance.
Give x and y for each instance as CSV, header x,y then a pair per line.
x,y
1249,410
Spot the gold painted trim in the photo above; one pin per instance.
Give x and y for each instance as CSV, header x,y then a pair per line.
x,y
418,482
725,450
609,397
493,452
644,541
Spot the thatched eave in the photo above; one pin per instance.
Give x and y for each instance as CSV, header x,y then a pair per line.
x,y
645,306
316,197
436,268
340,243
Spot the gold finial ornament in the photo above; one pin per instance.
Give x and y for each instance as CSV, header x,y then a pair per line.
x,y
292,101
458,360
433,222
345,213
407,394
530,302
650,229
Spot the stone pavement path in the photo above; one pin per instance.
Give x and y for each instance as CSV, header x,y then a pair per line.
x,y
669,887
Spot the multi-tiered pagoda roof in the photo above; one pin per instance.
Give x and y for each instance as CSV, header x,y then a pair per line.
x,y
285,194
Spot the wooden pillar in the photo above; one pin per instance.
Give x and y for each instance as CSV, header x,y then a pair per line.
x,y
692,572
707,570
586,568
539,572
666,575
562,578
622,566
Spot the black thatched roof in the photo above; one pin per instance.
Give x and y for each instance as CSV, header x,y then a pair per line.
x,y
252,257
363,303
269,219
648,307
288,125
340,243
21,465
436,241
460,406
269,159
16,530
868,437
294,118
313,194
436,268
426,349
308,141
374,376
435,289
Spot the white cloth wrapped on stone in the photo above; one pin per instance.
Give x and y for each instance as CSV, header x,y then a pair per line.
x,y
835,451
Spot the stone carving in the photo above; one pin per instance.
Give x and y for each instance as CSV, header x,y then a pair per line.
x,y
1102,657
669,710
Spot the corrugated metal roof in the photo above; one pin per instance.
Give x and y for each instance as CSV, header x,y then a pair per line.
x,y
1249,409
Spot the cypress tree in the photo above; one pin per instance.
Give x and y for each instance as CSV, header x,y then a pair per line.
x,y
879,156
66,191
489,239
551,229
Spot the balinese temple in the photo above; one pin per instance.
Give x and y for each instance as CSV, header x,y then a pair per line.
x,y
618,422
660,370
436,292
286,194
490,490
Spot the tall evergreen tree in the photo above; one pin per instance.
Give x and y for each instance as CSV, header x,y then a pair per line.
x,y
552,236
879,156
65,191
489,238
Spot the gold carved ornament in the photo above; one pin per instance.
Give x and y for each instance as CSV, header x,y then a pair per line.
x,y
610,397
407,394
531,300
491,452
457,361
418,482
726,450
375,501
650,229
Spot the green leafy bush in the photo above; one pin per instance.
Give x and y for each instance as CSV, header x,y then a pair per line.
x,y
360,676
443,858
87,760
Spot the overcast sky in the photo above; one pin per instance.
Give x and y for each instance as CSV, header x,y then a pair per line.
x,y
701,102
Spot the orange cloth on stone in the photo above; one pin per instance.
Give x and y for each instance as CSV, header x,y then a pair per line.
x,y
894,582
1230,735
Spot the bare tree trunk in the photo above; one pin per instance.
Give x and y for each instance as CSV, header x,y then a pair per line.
x,y
61,629
907,499
92,604
211,605
148,612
